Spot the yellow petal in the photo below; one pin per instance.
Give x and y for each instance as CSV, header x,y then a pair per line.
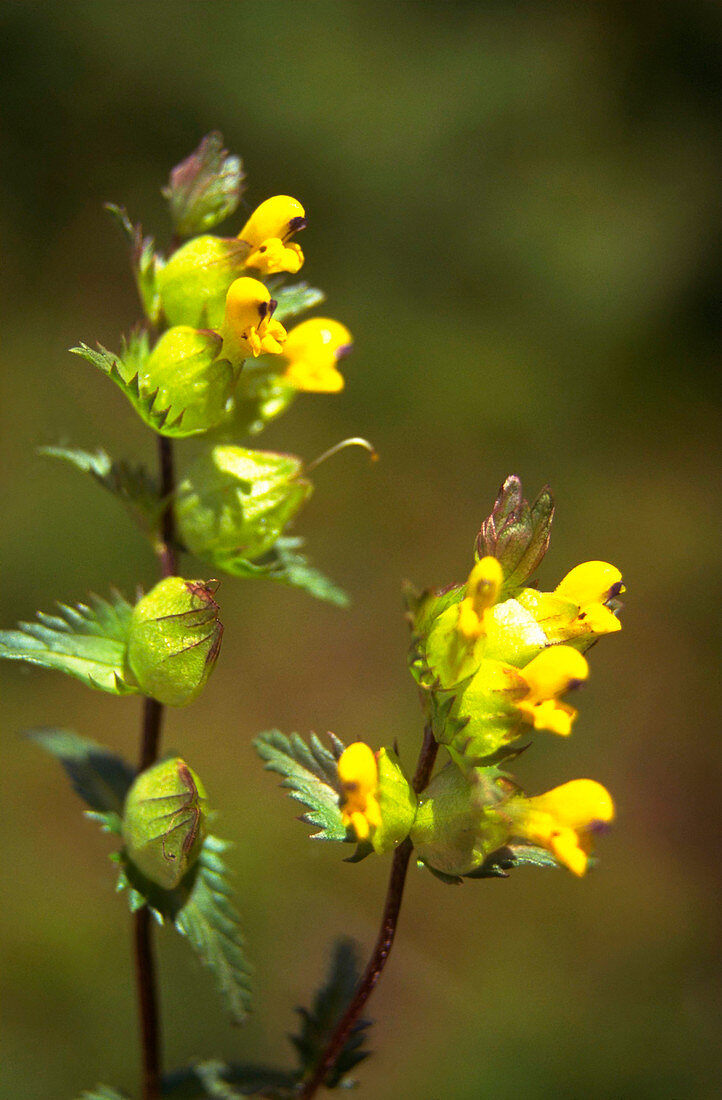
x,y
555,670
591,582
279,216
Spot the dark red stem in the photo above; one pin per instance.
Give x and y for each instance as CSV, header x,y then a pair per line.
x,y
150,743
387,932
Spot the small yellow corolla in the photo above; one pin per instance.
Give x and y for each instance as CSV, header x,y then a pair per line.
x,y
590,585
359,776
313,349
482,592
248,328
554,671
564,820
268,231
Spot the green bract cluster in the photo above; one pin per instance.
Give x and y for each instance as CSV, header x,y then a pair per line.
x,y
492,659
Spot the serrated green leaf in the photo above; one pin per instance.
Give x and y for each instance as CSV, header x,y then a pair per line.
x,y
165,421
513,855
103,1092
145,261
310,774
320,1022
201,908
286,565
292,300
131,484
205,188
98,776
87,641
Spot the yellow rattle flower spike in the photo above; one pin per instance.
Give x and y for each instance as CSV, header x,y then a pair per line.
x,y
359,776
482,592
268,231
313,350
591,585
565,819
248,328
553,672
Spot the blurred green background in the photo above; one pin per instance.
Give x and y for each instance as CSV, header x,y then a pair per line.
x,y
516,209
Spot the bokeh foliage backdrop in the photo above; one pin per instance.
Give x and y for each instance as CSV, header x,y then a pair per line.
x,y
515,207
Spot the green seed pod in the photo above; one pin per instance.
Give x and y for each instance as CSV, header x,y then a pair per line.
x,y
164,821
194,283
234,503
456,826
183,367
397,803
174,639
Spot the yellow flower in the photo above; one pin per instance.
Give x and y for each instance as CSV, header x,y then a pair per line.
x,y
553,672
248,328
268,231
591,585
359,776
482,592
313,349
564,820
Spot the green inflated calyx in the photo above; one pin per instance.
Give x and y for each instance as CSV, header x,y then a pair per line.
x,y
397,803
174,639
194,283
456,826
164,821
234,503
190,380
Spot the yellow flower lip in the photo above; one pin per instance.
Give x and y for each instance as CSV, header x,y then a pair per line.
x,y
359,776
268,232
312,351
565,820
248,328
553,672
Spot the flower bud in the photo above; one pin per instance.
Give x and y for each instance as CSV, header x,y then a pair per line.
x,y
248,327
195,280
174,640
234,503
164,821
268,231
190,378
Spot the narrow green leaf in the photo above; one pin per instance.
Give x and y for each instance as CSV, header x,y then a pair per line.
x,y
513,855
87,642
310,774
97,775
103,1092
218,1081
201,908
131,484
319,1023
292,300
288,566
146,263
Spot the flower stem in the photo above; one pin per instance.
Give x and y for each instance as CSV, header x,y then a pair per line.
x,y
387,932
150,743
